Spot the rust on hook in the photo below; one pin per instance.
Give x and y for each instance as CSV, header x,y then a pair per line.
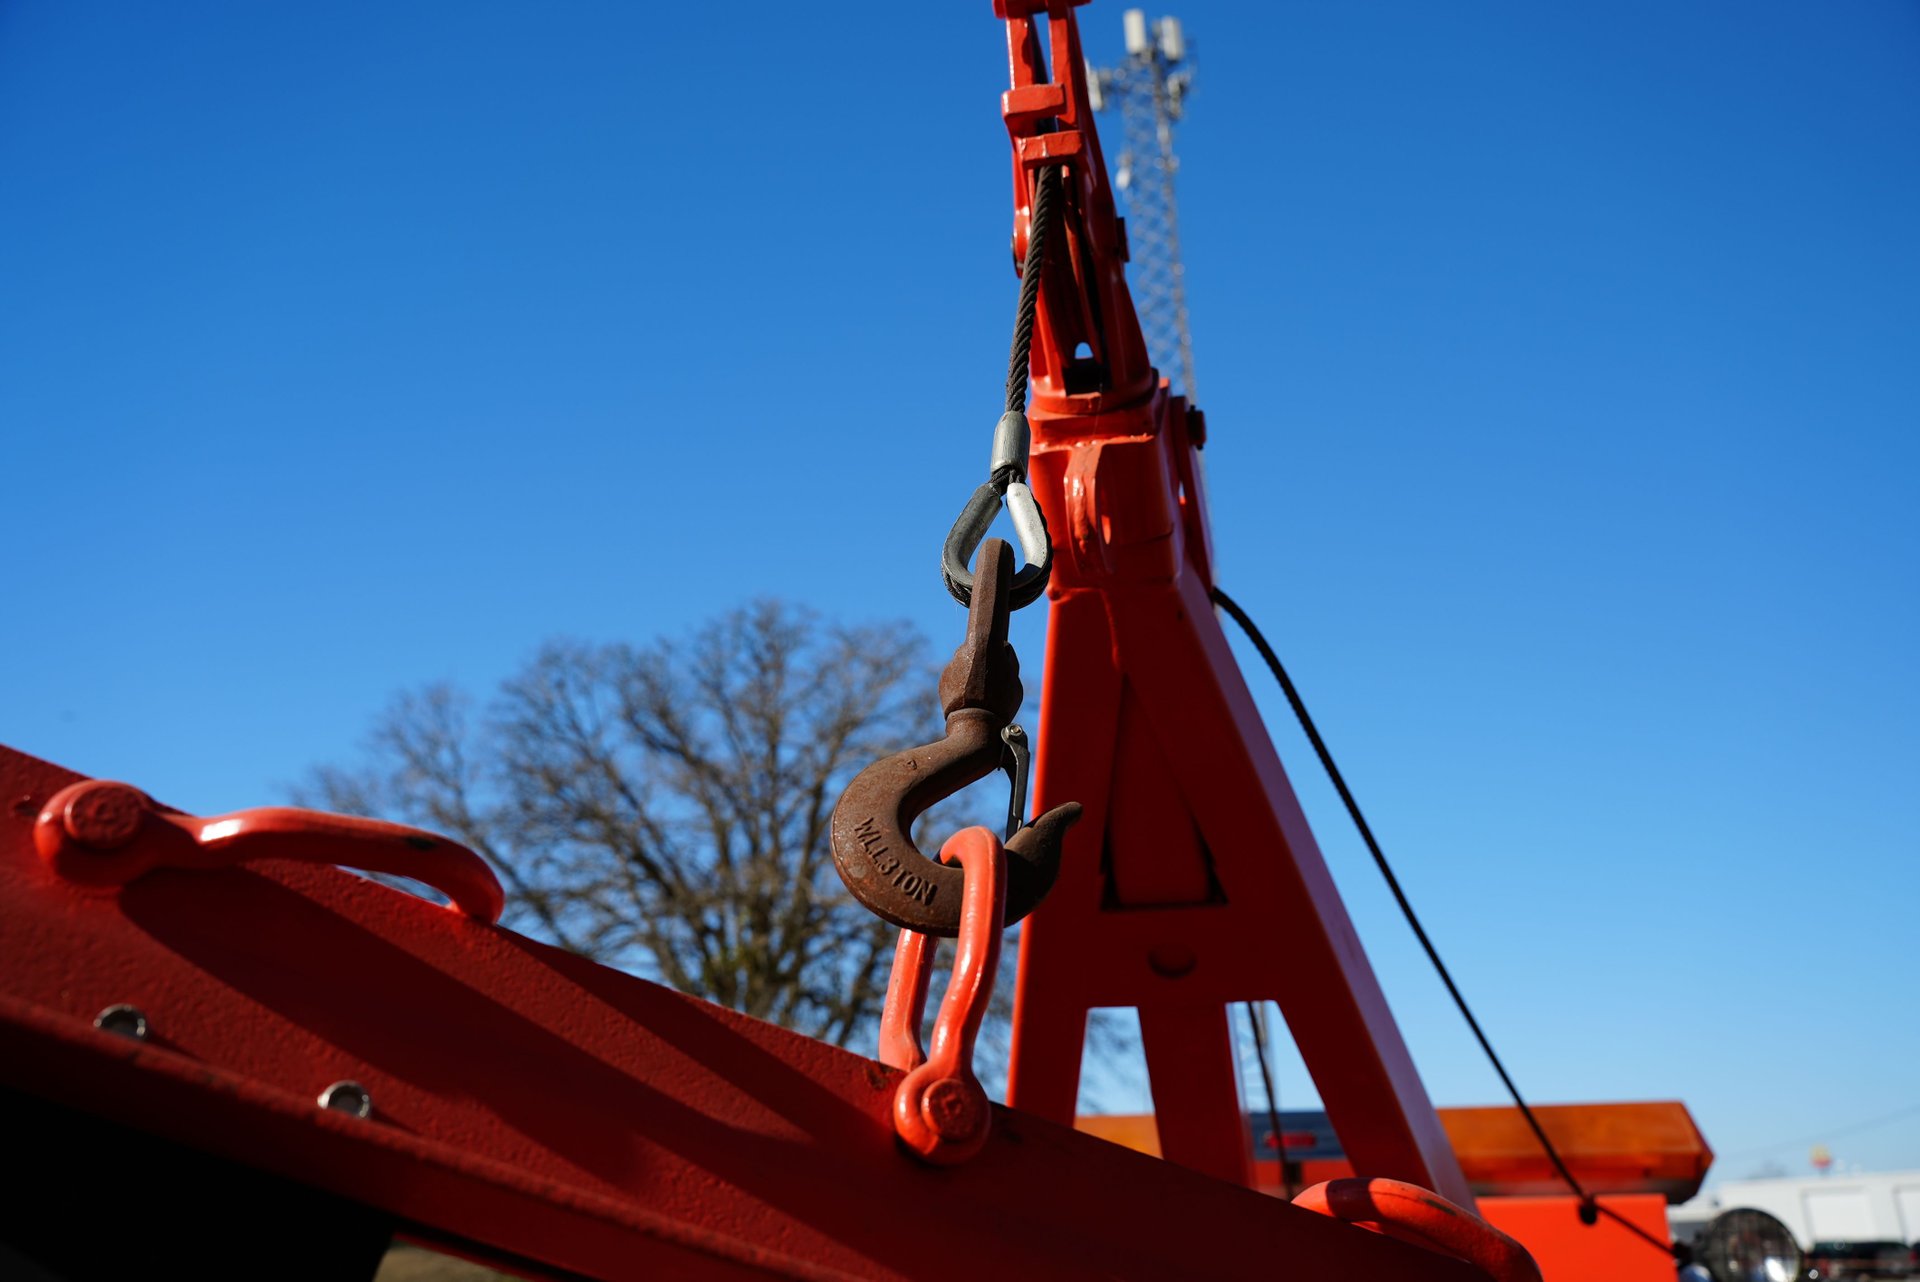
x,y
980,693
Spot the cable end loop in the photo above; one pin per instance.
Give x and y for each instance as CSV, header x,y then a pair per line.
x,y
1029,528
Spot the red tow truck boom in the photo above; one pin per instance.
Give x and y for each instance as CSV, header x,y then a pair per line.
x,y
220,1043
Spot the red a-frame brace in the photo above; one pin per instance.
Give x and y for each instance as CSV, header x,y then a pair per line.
x,y
1192,843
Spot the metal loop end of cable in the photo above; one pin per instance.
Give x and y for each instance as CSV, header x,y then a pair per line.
x,y
1007,478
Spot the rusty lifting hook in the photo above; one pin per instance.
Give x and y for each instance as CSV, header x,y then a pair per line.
x,y
980,693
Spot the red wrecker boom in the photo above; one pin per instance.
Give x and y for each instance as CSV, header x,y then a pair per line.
x,y
214,1036
1192,880
1192,844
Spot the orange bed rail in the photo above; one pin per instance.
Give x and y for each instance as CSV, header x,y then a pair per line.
x,y
1650,1146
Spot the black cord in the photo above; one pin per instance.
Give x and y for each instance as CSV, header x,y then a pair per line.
x,y
1039,222
1590,1207
1273,1099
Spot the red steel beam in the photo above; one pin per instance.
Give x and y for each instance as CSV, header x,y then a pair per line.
x,y
530,1105
1193,879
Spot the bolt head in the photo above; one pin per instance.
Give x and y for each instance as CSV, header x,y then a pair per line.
x,y
1171,961
102,815
347,1097
952,1110
123,1021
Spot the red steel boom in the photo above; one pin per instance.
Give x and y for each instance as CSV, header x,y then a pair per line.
x,y
1192,842
210,1030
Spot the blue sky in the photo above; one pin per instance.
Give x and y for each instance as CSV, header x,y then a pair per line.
x,y
1560,364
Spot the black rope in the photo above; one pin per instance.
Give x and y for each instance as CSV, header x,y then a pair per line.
x,y
1273,1099
1590,1207
1039,222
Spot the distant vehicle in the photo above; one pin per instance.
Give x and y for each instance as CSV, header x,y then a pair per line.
x,y
1821,1210
1840,1261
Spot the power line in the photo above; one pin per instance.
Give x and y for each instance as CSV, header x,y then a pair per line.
x,y
1852,1128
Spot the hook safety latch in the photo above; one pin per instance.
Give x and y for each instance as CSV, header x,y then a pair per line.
x,y
101,834
940,1110
1006,478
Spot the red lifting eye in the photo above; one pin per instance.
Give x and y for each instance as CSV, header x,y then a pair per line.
x,y
1412,1214
105,834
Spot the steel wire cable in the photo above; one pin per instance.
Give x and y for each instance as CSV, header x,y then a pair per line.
x,y
1590,1207
1258,1025
1007,470
1039,223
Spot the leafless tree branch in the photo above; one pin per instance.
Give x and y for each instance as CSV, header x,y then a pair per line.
x,y
665,807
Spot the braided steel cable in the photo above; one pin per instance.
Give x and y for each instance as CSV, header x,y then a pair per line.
x,y
1039,223
1007,470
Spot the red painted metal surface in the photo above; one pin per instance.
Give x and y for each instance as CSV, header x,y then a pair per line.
x,y
1599,1141
1405,1211
941,1111
1084,297
1193,844
1568,1249
530,1103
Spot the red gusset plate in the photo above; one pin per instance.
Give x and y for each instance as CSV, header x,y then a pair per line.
x,y
533,1104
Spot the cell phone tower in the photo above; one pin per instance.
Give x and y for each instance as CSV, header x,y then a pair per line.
x,y
1150,91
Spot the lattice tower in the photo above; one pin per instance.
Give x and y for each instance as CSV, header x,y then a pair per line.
x,y
1149,91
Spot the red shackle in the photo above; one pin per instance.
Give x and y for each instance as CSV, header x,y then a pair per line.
x,y
940,1110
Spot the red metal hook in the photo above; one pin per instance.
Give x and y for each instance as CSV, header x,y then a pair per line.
x,y
1413,1214
104,834
940,1110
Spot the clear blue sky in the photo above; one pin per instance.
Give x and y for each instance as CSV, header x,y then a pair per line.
x,y
1562,365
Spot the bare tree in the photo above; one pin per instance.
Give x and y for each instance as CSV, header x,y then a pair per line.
x,y
665,808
